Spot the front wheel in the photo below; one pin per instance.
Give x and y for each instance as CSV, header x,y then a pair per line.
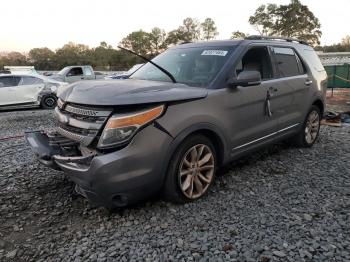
x,y
191,171
48,101
310,129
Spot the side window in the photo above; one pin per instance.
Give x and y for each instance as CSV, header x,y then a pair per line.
x,y
9,81
88,71
256,58
30,80
75,71
287,62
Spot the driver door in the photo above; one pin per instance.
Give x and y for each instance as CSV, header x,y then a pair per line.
x,y
251,123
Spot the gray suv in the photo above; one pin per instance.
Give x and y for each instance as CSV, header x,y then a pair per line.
x,y
190,110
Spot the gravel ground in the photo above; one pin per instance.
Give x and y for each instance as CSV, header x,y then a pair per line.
x,y
279,204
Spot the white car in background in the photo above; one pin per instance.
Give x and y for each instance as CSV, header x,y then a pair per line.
x,y
23,90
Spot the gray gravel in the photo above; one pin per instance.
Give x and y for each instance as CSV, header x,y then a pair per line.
x,y
279,204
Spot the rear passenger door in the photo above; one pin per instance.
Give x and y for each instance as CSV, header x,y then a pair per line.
x,y
29,89
291,83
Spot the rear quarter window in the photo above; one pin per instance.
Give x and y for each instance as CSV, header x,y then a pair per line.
x,y
30,80
313,60
286,62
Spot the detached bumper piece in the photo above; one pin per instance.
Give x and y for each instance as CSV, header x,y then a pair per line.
x,y
54,150
39,142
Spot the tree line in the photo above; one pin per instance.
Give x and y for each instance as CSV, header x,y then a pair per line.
x,y
291,20
105,57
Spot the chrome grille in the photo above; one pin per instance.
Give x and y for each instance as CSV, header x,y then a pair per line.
x,y
86,111
70,135
81,124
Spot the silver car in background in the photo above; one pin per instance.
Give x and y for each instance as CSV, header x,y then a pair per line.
x,y
23,91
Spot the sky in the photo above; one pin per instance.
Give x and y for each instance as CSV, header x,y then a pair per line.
x,y
53,23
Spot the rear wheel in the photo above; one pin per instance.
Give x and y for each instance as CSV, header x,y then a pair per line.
x,y
192,170
310,130
48,101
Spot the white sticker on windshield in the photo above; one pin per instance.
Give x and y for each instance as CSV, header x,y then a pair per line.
x,y
214,52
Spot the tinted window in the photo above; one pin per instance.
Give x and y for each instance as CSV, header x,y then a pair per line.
x,y
286,62
313,60
75,71
257,59
9,81
30,80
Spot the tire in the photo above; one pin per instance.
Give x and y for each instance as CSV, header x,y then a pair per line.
x,y
193,183
310,129
48,102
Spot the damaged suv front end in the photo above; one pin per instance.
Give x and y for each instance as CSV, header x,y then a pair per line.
x,y
109,151
92,145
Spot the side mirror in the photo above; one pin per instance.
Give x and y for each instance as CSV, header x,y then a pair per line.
x,y
246,78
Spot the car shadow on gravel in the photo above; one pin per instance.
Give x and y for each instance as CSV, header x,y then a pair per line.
x,y
259,155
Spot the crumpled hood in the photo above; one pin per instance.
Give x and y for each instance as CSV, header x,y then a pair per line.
x,y
129,92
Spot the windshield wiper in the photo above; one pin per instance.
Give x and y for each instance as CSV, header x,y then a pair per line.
x,y
150,61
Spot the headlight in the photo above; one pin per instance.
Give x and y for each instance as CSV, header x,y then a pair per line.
x,y
120,129
60,103
51,87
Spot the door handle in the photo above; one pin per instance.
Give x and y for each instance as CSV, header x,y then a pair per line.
x,y
308,82
268,104
82,78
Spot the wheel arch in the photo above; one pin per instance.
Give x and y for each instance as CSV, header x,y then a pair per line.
x,y
319,103
206,129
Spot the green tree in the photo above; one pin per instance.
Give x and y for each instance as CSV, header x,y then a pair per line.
x,y
292,20
72,54
238,35
42,58
346,41
209,29
138,41
157,39
15,59
263,19
176,36
343,46
101,56
191,29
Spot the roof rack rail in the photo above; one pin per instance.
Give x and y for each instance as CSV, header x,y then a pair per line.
x,y
288,39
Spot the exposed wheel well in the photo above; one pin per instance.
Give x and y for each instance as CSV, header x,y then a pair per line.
x,y
215,139
320,105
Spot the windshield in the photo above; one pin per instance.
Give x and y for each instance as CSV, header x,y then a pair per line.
x,y
133,69
196,66
63,71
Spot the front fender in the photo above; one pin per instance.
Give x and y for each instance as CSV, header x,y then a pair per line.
x,y
188,131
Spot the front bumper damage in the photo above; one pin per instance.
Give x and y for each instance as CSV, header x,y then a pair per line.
x,y
52,149
112,179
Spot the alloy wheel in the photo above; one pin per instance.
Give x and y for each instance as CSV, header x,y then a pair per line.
x,y
196,171
312,127
50,102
